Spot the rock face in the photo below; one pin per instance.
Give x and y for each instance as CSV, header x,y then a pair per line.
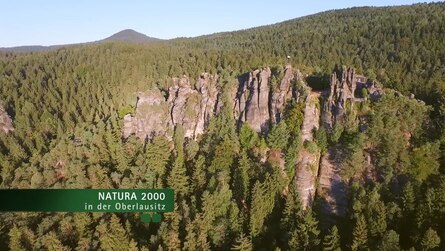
x,y
331,185
258,105
255,103
281,95
253,100
5,120
206,86
342,94
186,106
307,168
150,116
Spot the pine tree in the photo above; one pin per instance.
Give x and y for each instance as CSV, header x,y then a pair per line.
x,y
263,202
307,231
331,241
52,243
157,154
178,179
15,236
360,235
389,241
430,240
112,236
278,136
243,243
190,242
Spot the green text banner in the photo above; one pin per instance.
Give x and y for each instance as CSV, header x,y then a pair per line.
x,y
86,200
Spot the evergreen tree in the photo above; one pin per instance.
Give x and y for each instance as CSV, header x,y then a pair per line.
x,y
278,136
389,242
331,241
360,235
430,240
178,179
243,243
15,236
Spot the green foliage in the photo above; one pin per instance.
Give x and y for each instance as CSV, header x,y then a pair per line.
x,y
126,110
263,202
389,242
243,243
331,242
294,116
278,136
178,179
360,235
337,132
430,240
424,161
321,139
247,136
311,146
394,121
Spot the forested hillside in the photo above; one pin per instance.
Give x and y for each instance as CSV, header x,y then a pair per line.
x,y
374,164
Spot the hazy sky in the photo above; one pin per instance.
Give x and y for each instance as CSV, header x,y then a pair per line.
x,y
49,22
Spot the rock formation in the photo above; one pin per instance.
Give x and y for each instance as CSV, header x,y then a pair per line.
x,y
342,93
253,100
5,120
183,102
281,95
186,106
150,116
206,86
307,168
258,105
192,106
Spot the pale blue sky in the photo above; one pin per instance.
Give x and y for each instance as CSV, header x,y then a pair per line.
x,y
49,22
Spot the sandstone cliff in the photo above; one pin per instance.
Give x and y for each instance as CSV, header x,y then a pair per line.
x,y
255,102
343,93
192,108
258,104
5,120
150,116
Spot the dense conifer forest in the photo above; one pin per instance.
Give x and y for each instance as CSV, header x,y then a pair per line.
x,y
235,189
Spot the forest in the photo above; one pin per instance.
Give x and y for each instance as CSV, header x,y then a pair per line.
x,y
235,188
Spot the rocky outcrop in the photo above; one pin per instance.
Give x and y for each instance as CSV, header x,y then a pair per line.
x,y
151,116
345,92
341,94
332,188
338,100
206,86
307,168
5,120
192,108
281,95
259,105
253,100
184,105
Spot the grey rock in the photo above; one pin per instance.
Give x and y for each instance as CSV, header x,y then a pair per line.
x,y
186,106
5,121
281,95
206,86
150,116
253,100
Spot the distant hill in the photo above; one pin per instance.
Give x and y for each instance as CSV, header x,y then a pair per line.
x,y
128,35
